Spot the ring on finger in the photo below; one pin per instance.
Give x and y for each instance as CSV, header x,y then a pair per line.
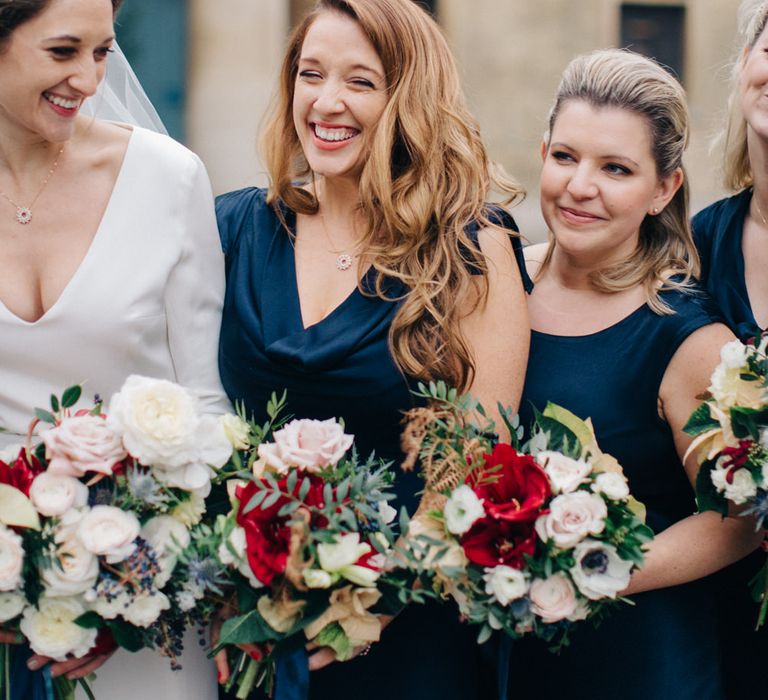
x,y
365,650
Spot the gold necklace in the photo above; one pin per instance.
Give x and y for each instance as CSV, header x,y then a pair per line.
x,y
757,206
344,259
24,214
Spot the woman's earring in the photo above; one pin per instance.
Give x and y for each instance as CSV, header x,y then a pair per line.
x,y
654,211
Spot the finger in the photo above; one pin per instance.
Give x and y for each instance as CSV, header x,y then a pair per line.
x,y
7,637
321,658
89,667
311,646
61,668
36,661
222,667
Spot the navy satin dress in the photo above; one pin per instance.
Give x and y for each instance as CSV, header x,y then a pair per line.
x,y
665,647
338,367
718,232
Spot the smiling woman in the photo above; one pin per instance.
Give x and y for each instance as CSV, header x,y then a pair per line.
x,y
84,205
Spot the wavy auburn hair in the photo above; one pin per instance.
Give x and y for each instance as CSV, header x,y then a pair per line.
x,y
737,171
626,80
426,177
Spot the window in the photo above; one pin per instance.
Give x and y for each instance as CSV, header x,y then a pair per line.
x,y
656,31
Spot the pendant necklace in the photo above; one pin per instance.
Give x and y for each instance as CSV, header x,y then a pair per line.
x,y
24,214
344,259
757,206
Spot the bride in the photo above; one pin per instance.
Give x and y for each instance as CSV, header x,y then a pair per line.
x,y
110,262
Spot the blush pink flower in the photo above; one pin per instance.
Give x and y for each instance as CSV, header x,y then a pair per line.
x,y
306,444
81,444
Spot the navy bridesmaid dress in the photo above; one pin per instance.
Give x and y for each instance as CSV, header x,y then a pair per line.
x,y
665,646
338,367
718,231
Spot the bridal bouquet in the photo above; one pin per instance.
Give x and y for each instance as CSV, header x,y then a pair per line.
x,y
528,540
98,539
731,441
305,547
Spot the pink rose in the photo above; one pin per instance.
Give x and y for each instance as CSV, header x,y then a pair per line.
x,y
81,444
553,598
306,444
571,517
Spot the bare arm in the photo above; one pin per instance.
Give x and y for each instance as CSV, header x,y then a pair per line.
x,y
702,543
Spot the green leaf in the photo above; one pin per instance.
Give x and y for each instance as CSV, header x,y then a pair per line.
x,y
126,635
293,477
707,496
288,508
90,620
54,403
45,416
71,396
247,629
270,500
304,488
333,636
255,500
700,421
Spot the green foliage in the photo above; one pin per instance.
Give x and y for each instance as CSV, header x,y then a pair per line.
x,y
700,421
707,496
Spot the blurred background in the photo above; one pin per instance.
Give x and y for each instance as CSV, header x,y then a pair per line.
x,y
210,69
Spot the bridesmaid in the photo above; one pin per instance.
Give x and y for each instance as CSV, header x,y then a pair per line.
x,y
372,261
731,238
621,335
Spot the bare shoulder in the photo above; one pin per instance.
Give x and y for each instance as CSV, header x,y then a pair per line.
x,y
692,364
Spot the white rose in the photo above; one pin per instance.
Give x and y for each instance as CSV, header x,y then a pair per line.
x,y
235,555
599,571
162,427
729,389
571,517
462,510
344,552
612,485
317,578
144,610
505,584
11,559
565,474
53,495
112,605
236,430
74,569
553,598
81,444
306,444
734,355
52,631
167,537
11,605
109,532
741,488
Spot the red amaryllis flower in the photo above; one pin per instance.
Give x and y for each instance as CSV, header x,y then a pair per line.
x,y
512,502
22,472
268,535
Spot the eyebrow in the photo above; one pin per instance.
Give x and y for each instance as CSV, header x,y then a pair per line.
x,y
74,39
606,157
356,66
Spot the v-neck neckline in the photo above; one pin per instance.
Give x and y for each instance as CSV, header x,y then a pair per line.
x,y
89,253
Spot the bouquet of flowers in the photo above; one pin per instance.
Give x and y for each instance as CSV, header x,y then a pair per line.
x,y
305,548
731,441
528,540
97,524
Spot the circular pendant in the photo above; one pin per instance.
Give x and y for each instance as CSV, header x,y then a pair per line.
x,y
23,215
344,261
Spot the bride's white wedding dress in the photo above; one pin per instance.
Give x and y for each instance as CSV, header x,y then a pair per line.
x,y
145,299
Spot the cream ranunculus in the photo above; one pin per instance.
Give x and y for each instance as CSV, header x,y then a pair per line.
x,y
81,444
565,474
52,631
74,569
599,571
462,510
143,610
161,426
729,389
505,584
236,430
167,537
553,599
11,605
11,559
612,485
306,444
109,532
53,494
734,355
571,517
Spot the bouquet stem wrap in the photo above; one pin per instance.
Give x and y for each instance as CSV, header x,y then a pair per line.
x,y
292,671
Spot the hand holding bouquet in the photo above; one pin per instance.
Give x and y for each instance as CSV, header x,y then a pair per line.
x,y
529,540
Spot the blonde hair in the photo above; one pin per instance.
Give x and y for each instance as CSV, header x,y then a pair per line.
x,y
426,178
737,172
626,80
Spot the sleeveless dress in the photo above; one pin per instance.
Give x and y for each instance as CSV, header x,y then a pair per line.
x,y
145,299
338,367
718,231
665,647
